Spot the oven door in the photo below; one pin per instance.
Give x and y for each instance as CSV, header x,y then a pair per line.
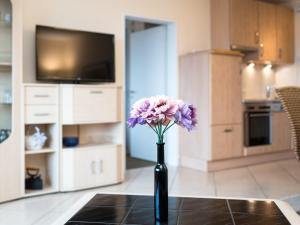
x,y
257,128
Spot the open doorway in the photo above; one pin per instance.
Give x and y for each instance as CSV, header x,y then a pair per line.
x,y
151,60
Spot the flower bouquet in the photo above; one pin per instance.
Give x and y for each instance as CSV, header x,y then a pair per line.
x,y
160,113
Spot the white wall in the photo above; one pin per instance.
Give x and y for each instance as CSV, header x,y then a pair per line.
x,y
191,17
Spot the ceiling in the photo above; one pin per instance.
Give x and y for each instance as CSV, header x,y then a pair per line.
x,y
292,3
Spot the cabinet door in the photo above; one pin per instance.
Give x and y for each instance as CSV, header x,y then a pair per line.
x,y
281,134
285,35
244,24
267,31
89,167
226,90
227,142
96,105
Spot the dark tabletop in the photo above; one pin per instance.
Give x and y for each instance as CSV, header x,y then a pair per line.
x,y
138,210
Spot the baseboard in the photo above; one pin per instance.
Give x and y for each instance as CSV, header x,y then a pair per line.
x,y
249,160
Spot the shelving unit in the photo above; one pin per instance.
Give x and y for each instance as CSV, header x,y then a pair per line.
x,y
99,159
5,66
47,158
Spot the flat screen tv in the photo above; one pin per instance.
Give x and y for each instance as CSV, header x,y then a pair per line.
x,y
74,56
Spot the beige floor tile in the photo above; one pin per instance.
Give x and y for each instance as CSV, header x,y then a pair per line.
x,y
237,183
292,167
193,182
275,181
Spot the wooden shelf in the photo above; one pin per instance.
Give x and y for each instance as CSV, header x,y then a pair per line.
x,y
46,190
42,151
5,65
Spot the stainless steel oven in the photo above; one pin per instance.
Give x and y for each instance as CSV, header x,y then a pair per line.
x,y
258,122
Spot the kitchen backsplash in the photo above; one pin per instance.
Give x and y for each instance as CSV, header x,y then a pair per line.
x,y
256,79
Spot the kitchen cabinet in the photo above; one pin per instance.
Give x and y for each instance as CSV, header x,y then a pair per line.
x,y
211,80
276,29
227,141
285,35
234,24
281,133
267,31
226,88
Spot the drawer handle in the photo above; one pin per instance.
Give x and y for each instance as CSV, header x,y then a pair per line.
x,y
41,114
41,96
96,92
93,167
228,130
100,166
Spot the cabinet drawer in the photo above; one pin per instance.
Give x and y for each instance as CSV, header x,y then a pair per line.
x,y
95,105
227,141
35,114
89,167
41,95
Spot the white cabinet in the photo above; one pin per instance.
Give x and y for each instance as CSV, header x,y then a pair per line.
x,y
43,95
36,114
90,166
41,104
90,104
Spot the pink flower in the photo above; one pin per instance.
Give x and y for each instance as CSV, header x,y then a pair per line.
x,y
158,111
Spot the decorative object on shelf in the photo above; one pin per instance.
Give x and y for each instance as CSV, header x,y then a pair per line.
x,y
34,180
70,141
7,99
4,134
160,113
36,141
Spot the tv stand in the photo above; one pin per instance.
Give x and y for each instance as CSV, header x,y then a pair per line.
x,y
90,112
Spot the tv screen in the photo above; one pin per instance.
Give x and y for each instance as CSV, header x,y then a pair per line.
x,y
74,56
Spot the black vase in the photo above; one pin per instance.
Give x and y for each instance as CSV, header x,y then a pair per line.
x,y
161,186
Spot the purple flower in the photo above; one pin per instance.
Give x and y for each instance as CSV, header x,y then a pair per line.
x,y
158,111
186,116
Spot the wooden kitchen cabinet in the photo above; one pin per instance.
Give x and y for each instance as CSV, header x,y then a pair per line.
x,y
285,35
234,24
267,31
227,141
281,133
211,80
226,89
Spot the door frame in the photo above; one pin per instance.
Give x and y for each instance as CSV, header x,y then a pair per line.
x,y
172,86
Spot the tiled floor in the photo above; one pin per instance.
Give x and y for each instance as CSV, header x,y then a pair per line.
x,y
273,180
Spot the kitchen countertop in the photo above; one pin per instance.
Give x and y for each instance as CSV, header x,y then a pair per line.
x,y
184,210
260,100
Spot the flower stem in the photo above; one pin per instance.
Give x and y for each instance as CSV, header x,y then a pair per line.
x,y
168,127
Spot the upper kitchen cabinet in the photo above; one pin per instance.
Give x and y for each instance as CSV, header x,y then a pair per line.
x,y
276,39
235,25
285,35
267,31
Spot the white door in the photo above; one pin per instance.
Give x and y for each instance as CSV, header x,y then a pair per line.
x,y
146,77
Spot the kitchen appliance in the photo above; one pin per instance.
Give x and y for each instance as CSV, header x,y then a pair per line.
x,y
74,56
258,123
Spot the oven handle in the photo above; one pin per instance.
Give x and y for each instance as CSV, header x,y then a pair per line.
x,y
259,115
